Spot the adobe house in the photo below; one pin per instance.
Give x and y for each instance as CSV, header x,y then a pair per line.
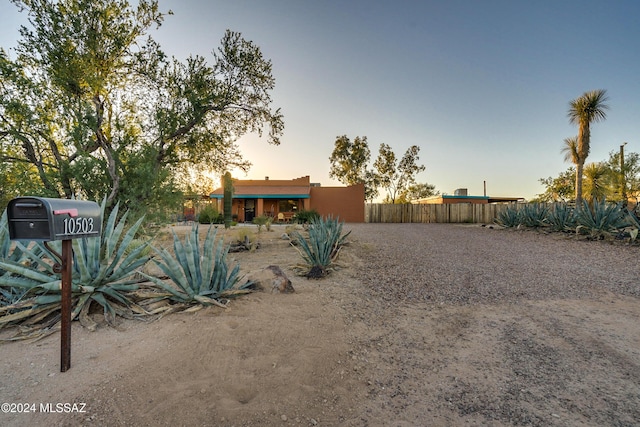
x,y
282,198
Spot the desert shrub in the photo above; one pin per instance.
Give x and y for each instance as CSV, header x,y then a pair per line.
x,y
201,278
324,244
208,215
244,234
263,220
306,216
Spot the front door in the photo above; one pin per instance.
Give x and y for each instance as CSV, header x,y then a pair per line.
x,y
249,210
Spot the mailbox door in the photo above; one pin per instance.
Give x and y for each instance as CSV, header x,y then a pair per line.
x,y
28,219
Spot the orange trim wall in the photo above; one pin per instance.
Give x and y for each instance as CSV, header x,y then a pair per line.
x,y
347,203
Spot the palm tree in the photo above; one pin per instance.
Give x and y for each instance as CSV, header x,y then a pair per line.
x,y
588,108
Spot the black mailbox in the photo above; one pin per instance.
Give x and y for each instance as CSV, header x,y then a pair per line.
x,y
44,219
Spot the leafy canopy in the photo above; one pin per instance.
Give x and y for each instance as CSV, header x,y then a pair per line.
x,y
349,164
396,176
92,106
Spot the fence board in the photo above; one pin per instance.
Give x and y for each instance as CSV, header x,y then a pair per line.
x,y
445,213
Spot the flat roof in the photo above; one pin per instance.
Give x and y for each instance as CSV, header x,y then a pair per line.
x,y
451,196
265,192
262,196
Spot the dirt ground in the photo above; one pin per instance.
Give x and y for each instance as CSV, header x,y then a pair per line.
x,y
338,352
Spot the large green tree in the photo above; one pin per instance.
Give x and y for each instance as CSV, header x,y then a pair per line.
x,y
558,189
349,164
396,176
92,106
589,108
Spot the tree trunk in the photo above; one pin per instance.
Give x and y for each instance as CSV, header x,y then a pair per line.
x,y
579,169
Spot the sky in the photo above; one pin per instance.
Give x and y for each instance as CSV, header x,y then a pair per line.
x,y
482,87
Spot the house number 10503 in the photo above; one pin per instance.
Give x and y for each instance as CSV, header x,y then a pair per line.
x,y
78,225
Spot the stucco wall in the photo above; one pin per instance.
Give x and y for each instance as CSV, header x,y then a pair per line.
x,y
347,203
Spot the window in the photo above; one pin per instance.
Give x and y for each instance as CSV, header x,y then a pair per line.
x,y
287,205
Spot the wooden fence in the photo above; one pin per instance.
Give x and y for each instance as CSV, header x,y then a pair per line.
x,y
446,213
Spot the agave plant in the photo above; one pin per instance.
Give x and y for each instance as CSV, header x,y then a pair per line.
x,y
634,222
534,215
561,217
198,278
510,217
102,268
600,219
325,241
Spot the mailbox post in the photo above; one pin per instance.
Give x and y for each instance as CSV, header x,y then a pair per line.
x,y
44,219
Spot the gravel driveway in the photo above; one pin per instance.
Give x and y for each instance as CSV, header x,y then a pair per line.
x,y
468,325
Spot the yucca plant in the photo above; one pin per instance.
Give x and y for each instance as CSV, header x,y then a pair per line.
x,y
102,268
601,219
561,217
198,278
510,217
323,246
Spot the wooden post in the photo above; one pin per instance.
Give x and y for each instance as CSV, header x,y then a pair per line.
x,y
65,331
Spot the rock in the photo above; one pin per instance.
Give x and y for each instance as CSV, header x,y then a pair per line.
x,y
285,236
271,278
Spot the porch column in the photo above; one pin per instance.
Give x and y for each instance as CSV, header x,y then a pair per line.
x,y
306,204
260,207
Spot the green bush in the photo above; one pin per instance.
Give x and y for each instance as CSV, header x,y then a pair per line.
x,y
306,216
208,215
263,220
